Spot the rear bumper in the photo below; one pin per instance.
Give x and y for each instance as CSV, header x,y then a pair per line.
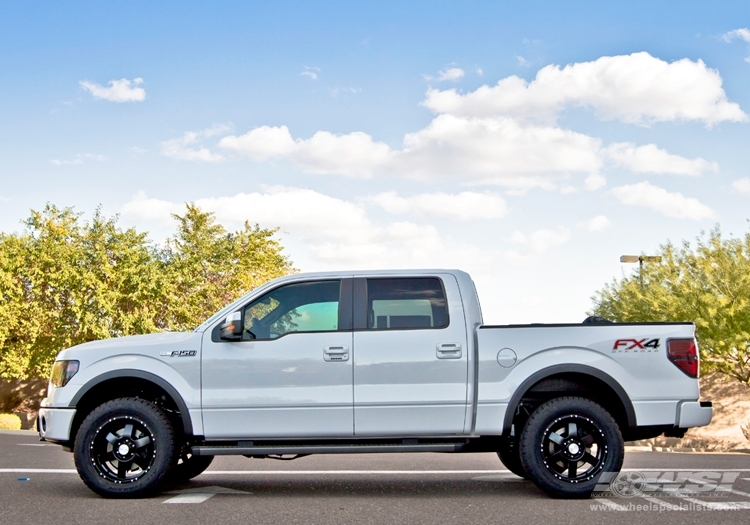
x,y
694,414
54,423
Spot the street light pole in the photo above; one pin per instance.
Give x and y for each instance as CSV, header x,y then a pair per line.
x,y
640,259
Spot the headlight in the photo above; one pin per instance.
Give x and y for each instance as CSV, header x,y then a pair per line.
x,y
62,372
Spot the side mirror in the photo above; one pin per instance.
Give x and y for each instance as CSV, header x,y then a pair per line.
x,y
231,329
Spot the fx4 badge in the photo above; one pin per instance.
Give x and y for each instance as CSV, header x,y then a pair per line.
x,y
636,345
179,353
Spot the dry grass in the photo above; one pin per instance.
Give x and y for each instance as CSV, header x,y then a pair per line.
x,y
10,422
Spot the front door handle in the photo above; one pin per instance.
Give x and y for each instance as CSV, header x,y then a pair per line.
x,y
336,353
449,351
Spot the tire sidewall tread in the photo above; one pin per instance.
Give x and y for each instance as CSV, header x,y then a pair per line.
x,y
541,418
164,436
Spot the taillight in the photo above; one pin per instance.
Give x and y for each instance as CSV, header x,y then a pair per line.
x,y
684,354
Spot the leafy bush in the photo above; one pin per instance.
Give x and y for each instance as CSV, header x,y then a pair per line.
x,y
708,283
10,422
65,281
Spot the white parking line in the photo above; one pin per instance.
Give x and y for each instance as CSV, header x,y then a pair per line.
x,y
661,503
349,472
190,498
39,470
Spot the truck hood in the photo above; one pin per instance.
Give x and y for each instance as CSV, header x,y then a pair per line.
x,y
150,344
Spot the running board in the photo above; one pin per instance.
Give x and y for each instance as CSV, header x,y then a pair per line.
x,y
265,450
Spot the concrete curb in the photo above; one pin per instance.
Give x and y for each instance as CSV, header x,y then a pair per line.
x,y
690,450
19,432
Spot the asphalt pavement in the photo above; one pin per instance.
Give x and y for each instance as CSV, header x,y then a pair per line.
x,y
38,484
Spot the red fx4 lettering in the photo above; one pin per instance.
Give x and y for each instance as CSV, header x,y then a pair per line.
x,y
635,344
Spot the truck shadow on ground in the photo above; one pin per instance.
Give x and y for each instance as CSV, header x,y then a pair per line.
x,y
390,488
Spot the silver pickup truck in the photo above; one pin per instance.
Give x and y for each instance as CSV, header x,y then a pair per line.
x,y
366,362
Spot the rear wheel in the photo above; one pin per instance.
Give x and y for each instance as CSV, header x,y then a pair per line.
x,y
567,444
510,456
189,466
125,448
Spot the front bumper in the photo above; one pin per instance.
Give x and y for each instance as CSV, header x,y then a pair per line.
x,y
694,414
54,423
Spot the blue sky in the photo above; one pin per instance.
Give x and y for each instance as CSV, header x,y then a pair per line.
x,y
529,143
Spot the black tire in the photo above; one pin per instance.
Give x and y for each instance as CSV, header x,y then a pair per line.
x,y
189,466
510,456
125,448
567,444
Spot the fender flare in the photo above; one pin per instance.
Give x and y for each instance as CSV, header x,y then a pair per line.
x,y
187,423
544,373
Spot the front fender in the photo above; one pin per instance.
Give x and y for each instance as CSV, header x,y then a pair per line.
x,y
179,381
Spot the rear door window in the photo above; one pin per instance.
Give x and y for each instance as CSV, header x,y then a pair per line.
x,y
406,303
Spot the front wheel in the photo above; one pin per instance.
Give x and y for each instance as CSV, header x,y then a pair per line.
x,y
567,444
125,448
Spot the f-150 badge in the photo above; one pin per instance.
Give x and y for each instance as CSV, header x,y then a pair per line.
x,y
179,353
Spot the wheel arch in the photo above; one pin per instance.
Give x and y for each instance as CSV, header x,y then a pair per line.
x,y
125,382
616,399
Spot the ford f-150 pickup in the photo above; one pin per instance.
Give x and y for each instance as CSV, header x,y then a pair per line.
x,y
366,362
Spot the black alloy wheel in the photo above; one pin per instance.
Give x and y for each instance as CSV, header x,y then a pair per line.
x,y
125,448
574,448
567,444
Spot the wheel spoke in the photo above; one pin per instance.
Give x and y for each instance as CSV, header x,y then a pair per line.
x,y
572,469
141,461
123,467
128,431
556,438
557,467
142,442
588,458
572,429
111,438
587,441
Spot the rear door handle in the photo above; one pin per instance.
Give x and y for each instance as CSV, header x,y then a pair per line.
x,y
336,353
449,351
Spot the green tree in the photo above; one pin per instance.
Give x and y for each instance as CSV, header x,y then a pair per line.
x,y
65,281
209,267
708,284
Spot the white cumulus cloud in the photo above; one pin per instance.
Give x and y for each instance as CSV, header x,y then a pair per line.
x,y
498,151
462,206
354,154
311,73
487,137
742,186
334,231
183,148
542,240
595,224
632,88
453,74
79,159
741,33
122,90
651,159
658,199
